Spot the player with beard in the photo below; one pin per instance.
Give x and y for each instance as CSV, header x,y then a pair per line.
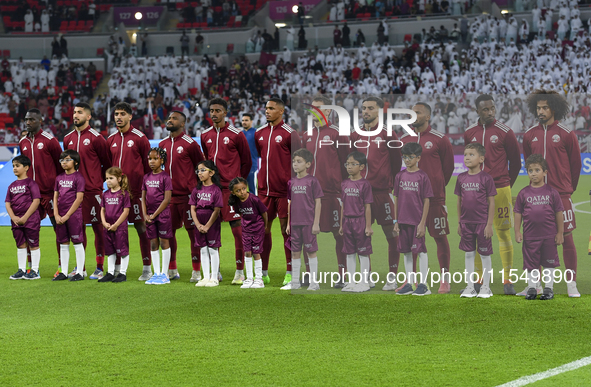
x,y
44,152
503,163
327,167
437,160
383,163
560,147
129,151
94,161
183,157
228,148
274,142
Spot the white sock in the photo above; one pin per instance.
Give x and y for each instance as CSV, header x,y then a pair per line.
x,y
118,268
265,272
80,258
248,266
486,268
239,272
364,268
469,262
410,278
35,259
531,282
156,261
111,259
65,258
124,264
147,268
165,261
21,255
214,257
424,267
351,265
205,260
313,270
549,284
288,272
258,269
296,267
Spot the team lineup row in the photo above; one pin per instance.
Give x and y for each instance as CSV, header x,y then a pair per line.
x,y
228,149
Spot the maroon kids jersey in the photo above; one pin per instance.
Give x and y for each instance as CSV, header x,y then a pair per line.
x,y
20,195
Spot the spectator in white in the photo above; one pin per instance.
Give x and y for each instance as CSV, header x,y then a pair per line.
x,y
29,18
290,35
8,86
120,47
91,10
44,21
286,55
341,10
386,31
535,15
454,122
575,26
42,75
575,11
548,17
541,25
524,29
218,60
564,11
332,16
512,27
563,26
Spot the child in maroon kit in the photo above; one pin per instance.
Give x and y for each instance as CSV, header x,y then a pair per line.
x,y
476,206
115,209
412,189
541,208
68,195
22,200
304,193
156,194
253,215
206,203
355,226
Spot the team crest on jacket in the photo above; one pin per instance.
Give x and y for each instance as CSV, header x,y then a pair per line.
x,y
226,140
40,145
129,143
556,138
494,139
428,145
180,150
278,139
86,142
326,138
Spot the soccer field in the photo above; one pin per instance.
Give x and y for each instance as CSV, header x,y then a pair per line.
x,y
88,333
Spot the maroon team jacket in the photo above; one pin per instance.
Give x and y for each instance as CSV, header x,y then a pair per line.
x,y
129,151
501,148
95,158
228,149
182,157
275,144
44,152
560,147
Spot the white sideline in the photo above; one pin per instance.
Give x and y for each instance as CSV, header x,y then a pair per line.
x,y
547,374
578,204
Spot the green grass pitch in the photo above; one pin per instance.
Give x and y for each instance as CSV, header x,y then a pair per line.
x,y
89,333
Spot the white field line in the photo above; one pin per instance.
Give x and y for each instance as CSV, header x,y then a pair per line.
x,y
548,374
578,204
